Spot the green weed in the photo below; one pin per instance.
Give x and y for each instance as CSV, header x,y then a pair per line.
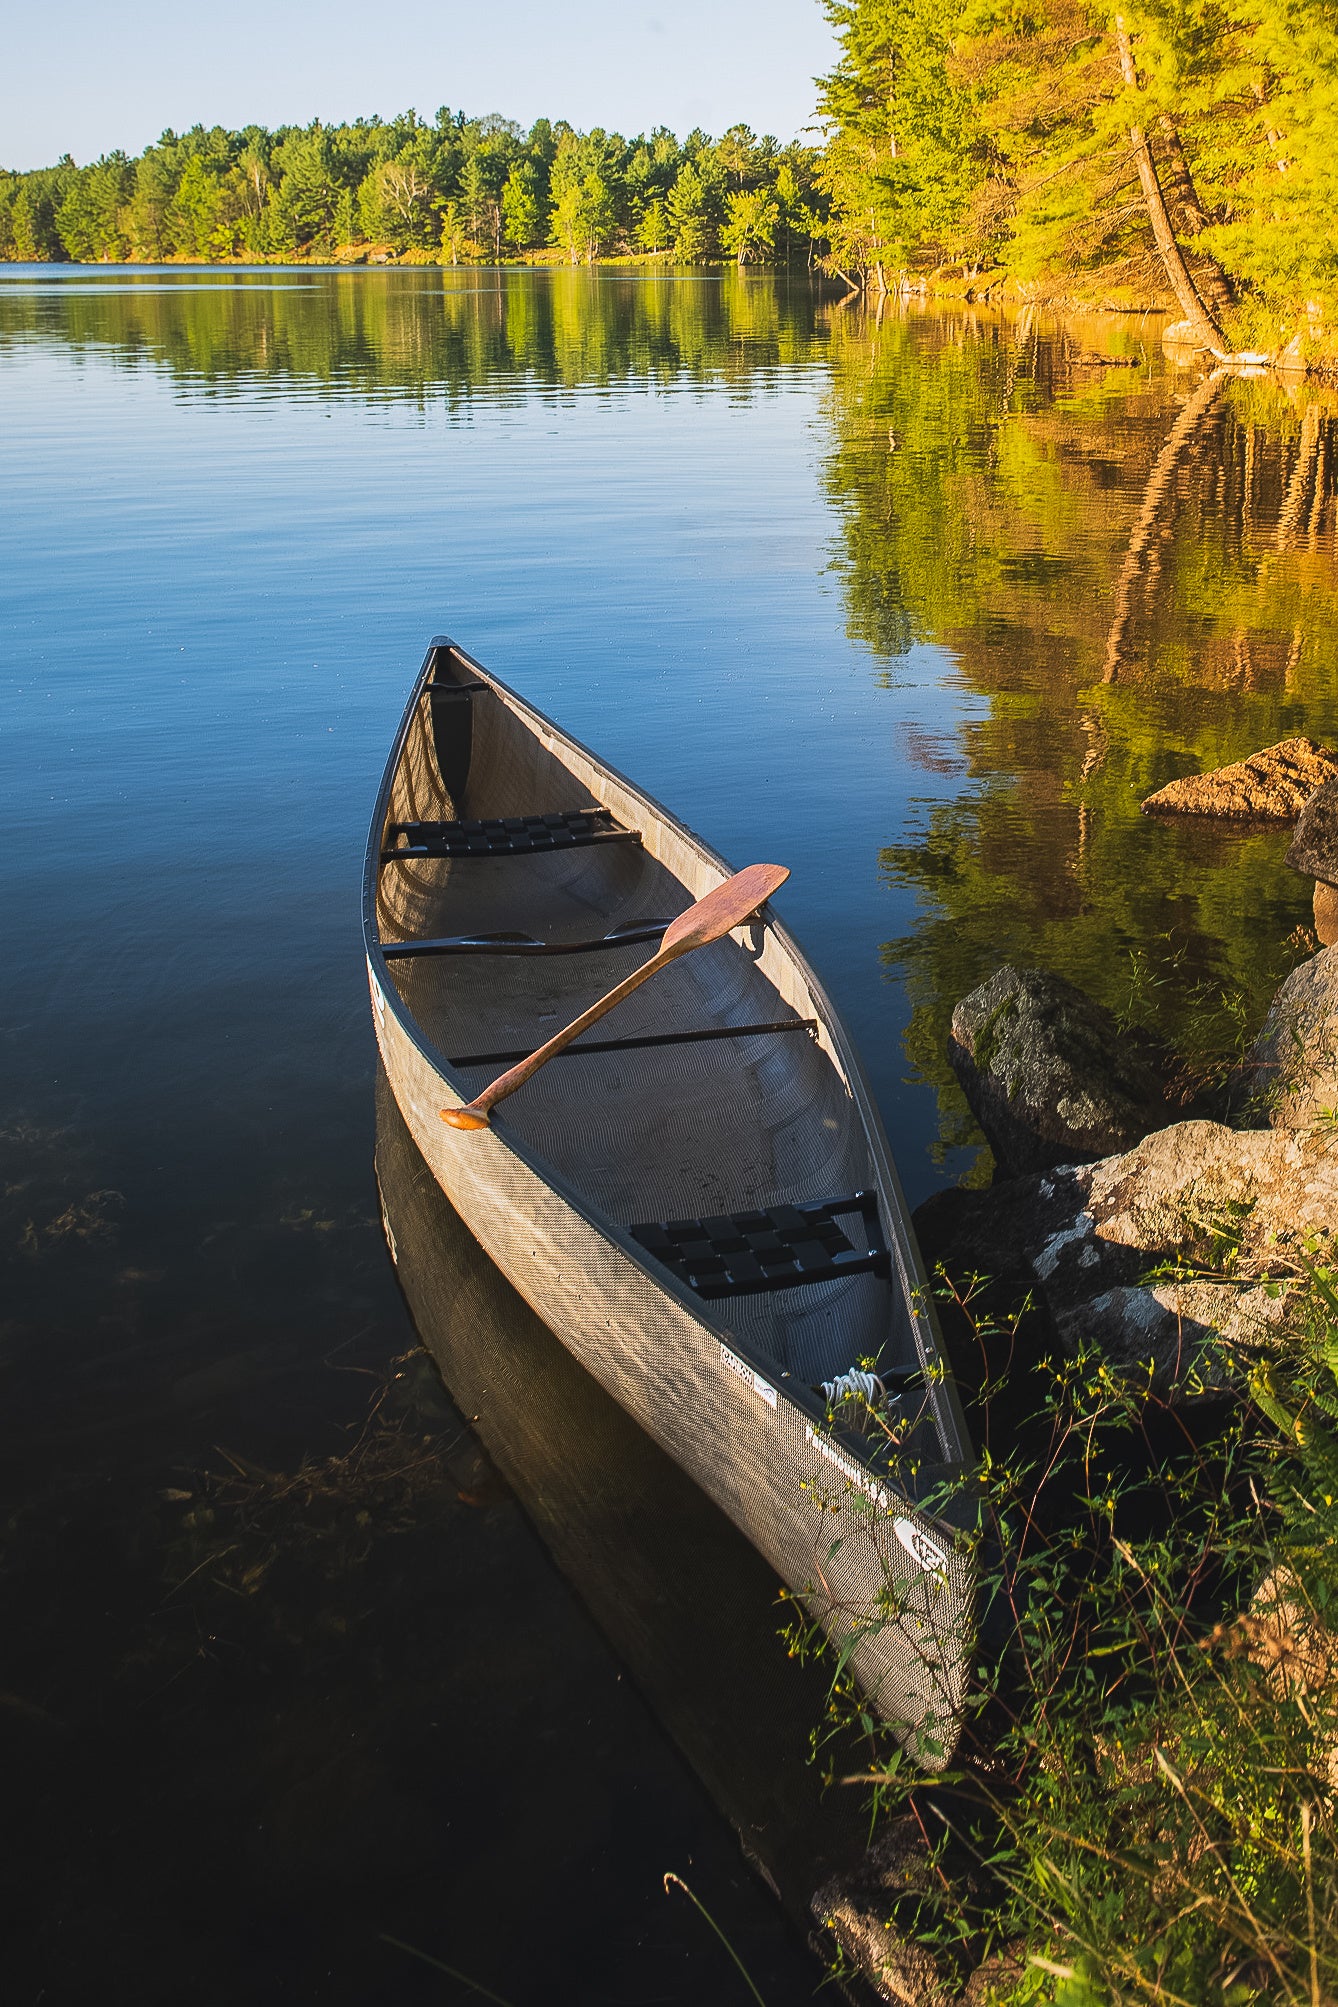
x,y
1142,1807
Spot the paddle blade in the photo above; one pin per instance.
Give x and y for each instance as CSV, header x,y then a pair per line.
x,y
466,1117
710,919
724,909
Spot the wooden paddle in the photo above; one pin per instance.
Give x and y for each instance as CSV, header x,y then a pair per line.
x,y
709,920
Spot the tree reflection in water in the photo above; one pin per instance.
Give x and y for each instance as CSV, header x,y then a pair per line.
x,y
1135,569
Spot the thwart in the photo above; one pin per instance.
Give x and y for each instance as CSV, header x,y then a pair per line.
x,y
710,919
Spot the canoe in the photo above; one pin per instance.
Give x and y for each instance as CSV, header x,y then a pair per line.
x,y
698,1197
633,1535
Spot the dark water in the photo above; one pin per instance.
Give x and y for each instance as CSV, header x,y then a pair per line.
x,y
922,609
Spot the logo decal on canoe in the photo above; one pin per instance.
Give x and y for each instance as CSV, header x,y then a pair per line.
x,y
847,1466
918,1545
746,1373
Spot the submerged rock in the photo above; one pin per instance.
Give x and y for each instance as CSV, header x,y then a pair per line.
x,y
1292,1072
1159,1256
1049,1076
1273,785
856,1908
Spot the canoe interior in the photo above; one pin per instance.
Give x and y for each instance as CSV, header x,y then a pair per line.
x,y
657,1133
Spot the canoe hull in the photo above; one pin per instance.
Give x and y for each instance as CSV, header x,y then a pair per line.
x,y
748,1447
889,1583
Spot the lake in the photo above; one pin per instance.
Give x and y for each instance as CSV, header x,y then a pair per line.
x,y
921,606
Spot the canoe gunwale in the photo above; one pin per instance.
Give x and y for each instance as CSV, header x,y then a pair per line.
x,y
907,1274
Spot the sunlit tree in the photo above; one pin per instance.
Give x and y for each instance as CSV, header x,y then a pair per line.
x,y
750,226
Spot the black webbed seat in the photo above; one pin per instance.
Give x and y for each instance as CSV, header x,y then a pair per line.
x,y
505,835
772,1247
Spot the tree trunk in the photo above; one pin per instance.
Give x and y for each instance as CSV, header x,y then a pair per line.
x,y
1179,181
1218,293
1298,488
1200,320
1155,523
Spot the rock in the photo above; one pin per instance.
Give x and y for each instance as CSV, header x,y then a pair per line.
x,y
1273,785
999,1978
1291,1075
856,1907
1326,913
1048,1075
993,1233
1229,1203
1282,1633
1314,848
1183,340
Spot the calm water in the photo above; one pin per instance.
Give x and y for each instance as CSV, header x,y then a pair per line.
x,y
921,609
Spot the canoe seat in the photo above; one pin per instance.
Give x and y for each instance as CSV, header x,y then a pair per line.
x,y
506,835
772,1247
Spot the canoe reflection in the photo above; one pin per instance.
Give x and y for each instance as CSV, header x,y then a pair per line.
x,y
686,1601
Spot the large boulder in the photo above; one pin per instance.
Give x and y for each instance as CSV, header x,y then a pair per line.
x,y
1048,1074
1270,786
1160,1257
1314,847
1314,851
1326,913
1292,1073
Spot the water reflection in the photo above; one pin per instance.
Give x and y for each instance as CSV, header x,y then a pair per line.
x,y
1135,570
1074,571
208,624
425,335
691,1608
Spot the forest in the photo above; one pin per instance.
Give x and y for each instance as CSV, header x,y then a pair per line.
x,y
1178,152
1171,153
454,190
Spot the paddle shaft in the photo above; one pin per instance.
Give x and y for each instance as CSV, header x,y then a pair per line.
x,y
710,919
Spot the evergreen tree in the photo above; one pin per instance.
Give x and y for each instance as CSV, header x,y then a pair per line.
x,y
147,212
750,227
653,226
695,208
904,152
523,221
194,213
89,217
307,198
457,187
1181,147
583,184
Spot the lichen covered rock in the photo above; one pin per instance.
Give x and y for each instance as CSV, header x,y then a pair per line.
x,y
1049,1076
1271,786
1162,1258
1292,1072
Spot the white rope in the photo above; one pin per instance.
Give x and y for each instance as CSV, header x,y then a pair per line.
x,y
846,1385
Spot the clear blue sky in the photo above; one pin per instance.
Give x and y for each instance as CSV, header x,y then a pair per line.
x,y
83,77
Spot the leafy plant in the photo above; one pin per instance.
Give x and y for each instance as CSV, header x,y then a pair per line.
x,y
1142,1807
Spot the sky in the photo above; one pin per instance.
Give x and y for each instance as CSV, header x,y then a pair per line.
x,y
83,77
